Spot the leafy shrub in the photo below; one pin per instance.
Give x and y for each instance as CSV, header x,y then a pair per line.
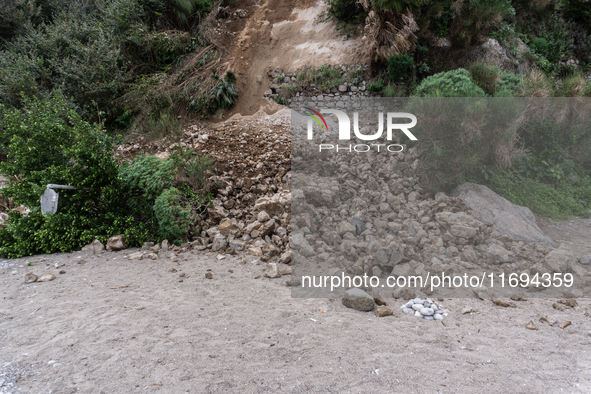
x,y
346,11
559,202
48,142
455,83
399,67
539,45
225,92
579,11
75,54
173,213
376,86
476,19
486,76
508,85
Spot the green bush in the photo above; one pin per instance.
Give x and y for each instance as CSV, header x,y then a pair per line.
x,y
75,54
486,76
225,92
540,46
399,67
376,86
346,11
474,20
579,11
48,142
455,83
508,86
173,213
559,202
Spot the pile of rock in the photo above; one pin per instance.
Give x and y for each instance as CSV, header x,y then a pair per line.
x,y
359,214
427,309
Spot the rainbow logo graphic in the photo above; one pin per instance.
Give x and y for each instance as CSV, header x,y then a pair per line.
x,y
315,115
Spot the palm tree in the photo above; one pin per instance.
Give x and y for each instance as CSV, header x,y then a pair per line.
x,y
388,30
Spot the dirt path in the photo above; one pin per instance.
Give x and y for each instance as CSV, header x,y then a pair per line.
x,y
108,325
285,34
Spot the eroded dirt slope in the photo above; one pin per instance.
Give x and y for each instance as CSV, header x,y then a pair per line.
x,y
279,33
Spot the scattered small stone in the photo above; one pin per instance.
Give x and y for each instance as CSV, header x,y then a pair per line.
x,y
549,320
221,256
271,271
136,256
173,270
286,271
380,301
182,274
518,298
504,304
565,324
231,271
531,326
383,311
570,302
468,310
62,272
558,307
153,256
31,277
59,265
208,275
46,277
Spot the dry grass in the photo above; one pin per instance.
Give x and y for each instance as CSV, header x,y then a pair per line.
x,y
387,33
536,84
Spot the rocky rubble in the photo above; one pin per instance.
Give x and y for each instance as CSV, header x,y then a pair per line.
x,y
407,231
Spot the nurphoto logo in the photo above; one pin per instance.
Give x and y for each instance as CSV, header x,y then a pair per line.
x,y
345,130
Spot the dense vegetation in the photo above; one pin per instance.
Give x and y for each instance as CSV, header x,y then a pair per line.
x,y
546,53
75,74
147,199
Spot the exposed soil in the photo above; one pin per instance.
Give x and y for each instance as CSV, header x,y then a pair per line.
x,y
284,34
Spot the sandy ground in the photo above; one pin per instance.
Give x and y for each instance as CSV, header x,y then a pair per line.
x,y
108,325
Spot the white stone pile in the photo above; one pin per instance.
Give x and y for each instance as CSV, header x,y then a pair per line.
x,y
427,309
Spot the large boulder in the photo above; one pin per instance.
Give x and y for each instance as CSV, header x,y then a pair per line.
x,y
507,217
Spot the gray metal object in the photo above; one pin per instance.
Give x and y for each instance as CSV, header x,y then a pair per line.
x,y
50,198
